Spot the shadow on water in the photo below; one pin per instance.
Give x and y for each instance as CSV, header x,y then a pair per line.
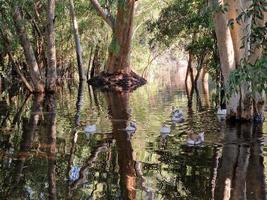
x,y
48,155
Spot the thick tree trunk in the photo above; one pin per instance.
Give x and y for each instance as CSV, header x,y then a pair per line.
x,y
77,41
119,52
240,33
118,74
227,56
28,51
257,52
51,48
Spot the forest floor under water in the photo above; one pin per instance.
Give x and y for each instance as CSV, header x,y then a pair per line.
x,y
74,145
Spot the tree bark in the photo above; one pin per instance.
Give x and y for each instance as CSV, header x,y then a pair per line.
x,y
6,44
227,56
28,51
240,33
51,48
75,30
119,50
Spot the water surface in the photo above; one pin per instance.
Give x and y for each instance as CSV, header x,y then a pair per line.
x,y
45,152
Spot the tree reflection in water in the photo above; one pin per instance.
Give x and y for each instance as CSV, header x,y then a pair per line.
x,y
241,170
118,104
167,169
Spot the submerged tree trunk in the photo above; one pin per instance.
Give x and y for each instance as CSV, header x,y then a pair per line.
x,y
235,48
28,50
77,41
51,48
227,56
119,51
118,63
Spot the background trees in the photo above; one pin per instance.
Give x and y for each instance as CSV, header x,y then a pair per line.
x,y
227,38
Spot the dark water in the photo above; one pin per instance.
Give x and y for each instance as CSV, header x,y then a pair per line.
x,y
46,154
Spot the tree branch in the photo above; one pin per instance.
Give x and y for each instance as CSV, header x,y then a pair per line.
x,y
105,14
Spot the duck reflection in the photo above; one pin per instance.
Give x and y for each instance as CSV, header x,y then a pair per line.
x,y
118,104
241,169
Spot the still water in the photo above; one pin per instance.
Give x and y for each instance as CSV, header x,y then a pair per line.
x,y
45,152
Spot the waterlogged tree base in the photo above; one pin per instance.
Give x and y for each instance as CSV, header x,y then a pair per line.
x,y
256,119
117,81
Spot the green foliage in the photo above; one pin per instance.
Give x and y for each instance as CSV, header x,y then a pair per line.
x,y
254,76
255,12
180,20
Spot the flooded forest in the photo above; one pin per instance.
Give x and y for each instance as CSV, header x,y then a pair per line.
x,y
133,99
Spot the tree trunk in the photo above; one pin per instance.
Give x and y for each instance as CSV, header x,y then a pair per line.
x,y
51,51
119,51
240,33
118,74
227,56
257,52
28,51
6,45
205,85
77,41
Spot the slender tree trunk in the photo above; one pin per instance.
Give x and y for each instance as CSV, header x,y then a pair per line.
x,y
75,30
205,85
51,51
89,63
6,44
28,50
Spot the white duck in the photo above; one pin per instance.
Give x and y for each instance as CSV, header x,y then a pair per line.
x,y
194,139
131,128
221,111
176,111
90,128
177,117
165,129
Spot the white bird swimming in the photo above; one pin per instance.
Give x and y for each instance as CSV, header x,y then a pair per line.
x,y
90,128
221,111
194,139
176,112
177,118
177,115
131,128
165,129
